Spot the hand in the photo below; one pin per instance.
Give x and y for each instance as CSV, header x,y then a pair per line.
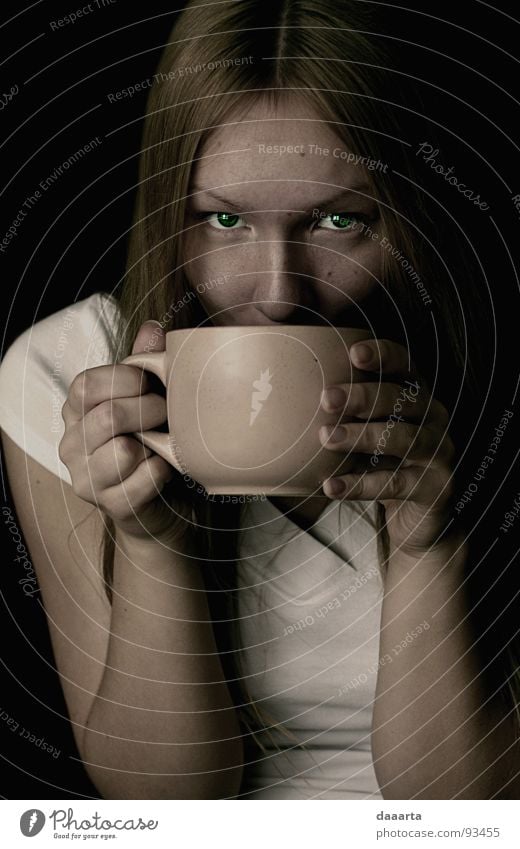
x,y
400,436
108,466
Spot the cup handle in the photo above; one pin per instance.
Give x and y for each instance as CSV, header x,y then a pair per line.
x,y
159,442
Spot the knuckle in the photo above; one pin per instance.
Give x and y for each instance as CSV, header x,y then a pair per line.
x,y
80,389
125,449
398,483
103,417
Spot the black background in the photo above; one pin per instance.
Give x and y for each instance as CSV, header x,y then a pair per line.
x,y
73,242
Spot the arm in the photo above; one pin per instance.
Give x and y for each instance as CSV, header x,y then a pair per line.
x,y
63,534
437,732
162,724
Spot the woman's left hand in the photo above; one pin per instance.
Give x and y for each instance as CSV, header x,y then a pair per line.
x,y
409,469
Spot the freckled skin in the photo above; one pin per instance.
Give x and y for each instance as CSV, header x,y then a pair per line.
x,y
281,269
277,262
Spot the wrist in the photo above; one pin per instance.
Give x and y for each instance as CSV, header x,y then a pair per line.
x,y
142,543
158,573
450,547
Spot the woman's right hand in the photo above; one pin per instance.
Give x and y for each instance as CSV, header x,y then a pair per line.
x,y
108,466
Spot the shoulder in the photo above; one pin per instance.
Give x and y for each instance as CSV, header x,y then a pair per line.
x,y
39,366
93,318
89,321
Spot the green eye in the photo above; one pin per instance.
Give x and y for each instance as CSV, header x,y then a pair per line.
x,y
223,220
339,221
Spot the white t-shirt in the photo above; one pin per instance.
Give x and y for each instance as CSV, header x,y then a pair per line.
x,y
309,602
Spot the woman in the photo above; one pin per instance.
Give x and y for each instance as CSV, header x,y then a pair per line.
x,y
292,648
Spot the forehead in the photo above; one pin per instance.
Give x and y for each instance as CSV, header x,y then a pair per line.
x,y
273,151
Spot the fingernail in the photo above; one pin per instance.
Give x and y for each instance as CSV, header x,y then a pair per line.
x,y
334,487
333,433
362,353
333,398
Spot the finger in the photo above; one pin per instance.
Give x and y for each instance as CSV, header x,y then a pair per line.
x,y
150,337
360,463
397,438
122,415
399,485
384,356
375,400
113,462
139,490
93,386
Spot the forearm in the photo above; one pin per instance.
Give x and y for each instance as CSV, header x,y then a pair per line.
x,y
433,736
162,724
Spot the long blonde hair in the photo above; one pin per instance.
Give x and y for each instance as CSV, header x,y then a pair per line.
x,y
218,57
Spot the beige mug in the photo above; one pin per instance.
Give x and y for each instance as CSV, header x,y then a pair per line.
x,y
244,405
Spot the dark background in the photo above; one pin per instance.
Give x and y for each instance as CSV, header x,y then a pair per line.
x,y
73,242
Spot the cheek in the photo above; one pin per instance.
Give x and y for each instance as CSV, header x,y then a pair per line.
x,y
210,276
355,274
205,266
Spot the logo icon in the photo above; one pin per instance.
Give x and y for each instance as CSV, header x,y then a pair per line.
x,y
263,390
32,822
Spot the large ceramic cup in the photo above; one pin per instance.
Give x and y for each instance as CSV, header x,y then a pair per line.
x,y
244,405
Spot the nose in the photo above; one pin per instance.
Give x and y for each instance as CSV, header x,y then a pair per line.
x,y
284,292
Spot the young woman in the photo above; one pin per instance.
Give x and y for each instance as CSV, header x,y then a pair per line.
x,y
289,647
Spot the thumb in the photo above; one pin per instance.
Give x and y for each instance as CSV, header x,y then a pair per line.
x,y
150,337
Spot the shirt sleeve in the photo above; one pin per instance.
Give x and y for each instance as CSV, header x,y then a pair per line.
x,y
38,368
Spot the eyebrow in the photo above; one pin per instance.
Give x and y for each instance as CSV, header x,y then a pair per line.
x,y
355,189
